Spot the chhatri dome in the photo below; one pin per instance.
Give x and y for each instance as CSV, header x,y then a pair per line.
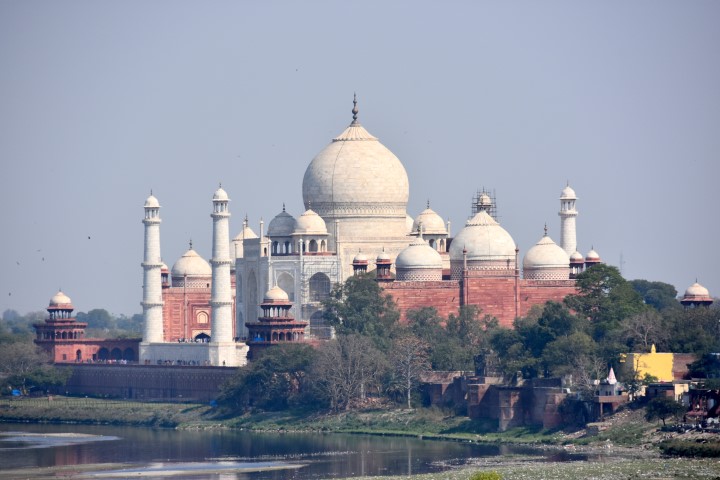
x,y
356,174
310,223
432,223
485,243
276,294
546,260
152,202
696,295
60,300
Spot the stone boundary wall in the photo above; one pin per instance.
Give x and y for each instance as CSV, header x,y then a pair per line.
x,y
148,382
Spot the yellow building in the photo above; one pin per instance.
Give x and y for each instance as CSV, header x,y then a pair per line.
x,y
659,365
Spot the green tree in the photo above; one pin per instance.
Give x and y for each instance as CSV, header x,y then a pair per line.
x,y
658,295
605,298
26,367
274,381
662,408
360,306
693,330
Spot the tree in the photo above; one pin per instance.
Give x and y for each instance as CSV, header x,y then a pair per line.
x,y
694,330
25,367
662,408
409,359
274,381
345,369
645,329
605,298
360,306
658,295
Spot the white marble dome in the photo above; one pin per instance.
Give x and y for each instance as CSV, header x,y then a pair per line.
x,y
283,225
568,194
419,262
310,223
360,258
592,256
696,290
576,257
432,223
383,257
409,222
484,239
276,294
356,174
546,260
546,253
60,300
220,195
152,202
191,265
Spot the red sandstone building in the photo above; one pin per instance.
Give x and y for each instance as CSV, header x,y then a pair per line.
x,y
63,338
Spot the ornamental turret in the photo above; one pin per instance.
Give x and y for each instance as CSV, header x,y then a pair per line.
x,y
152,277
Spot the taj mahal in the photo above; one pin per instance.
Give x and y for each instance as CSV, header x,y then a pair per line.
x,y
267,286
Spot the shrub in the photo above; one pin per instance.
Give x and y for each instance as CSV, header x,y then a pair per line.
x,y
486,476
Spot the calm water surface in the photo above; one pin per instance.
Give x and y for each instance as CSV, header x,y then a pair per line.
x,y
322,456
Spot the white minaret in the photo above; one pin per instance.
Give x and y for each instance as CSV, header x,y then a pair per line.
x,y
152,285
221,296
568,239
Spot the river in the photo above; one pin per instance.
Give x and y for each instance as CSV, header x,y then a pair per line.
x,y
230,454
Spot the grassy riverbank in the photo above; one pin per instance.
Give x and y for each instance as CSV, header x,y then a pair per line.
x,y
98,411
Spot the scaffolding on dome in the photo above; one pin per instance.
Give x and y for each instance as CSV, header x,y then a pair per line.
x,y
492,211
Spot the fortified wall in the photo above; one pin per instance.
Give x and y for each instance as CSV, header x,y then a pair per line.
x,y
148,382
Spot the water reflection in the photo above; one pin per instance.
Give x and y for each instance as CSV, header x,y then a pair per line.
x,y
220,452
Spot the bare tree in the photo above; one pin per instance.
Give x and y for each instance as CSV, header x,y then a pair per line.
x,y
345,369
645,329
410,358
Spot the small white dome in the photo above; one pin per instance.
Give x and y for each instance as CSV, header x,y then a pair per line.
x,y
697,290
220,195
484,239
418,255
576,257
592,256
192,265
152,202
568,194
310,223
432,223
60,299
360,258
383,257
546,254
283,225
164,267
276,294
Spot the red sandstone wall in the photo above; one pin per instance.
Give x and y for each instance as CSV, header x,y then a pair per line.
x,y
176,324
148,382
494,296
536,292
443,295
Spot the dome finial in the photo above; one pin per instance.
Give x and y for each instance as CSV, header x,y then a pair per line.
x,y
545,229
428,203
283,206
191,244
355,109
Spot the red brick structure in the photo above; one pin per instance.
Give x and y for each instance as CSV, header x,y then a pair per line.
x,y
63,338
504,298
276,325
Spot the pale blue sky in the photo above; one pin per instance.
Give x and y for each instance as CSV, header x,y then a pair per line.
x,y
102,101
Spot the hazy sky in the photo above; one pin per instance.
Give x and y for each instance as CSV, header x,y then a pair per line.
x,y
100,102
